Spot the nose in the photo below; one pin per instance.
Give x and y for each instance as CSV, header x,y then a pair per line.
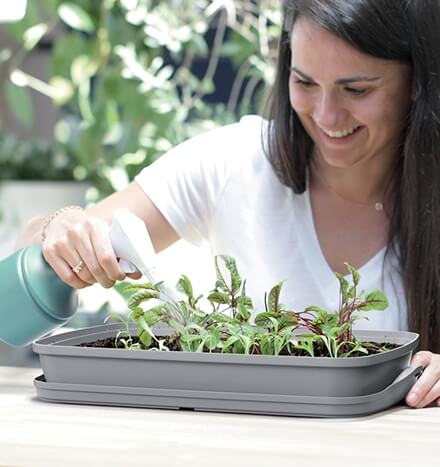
x,y
329,111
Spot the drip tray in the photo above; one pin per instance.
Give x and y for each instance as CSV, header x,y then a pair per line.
x,y
250,403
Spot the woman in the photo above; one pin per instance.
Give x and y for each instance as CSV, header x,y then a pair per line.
x,y
346,170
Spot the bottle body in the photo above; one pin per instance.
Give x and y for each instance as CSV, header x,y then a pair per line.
x,y
34,300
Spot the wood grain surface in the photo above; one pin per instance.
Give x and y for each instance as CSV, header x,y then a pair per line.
x,y
36,433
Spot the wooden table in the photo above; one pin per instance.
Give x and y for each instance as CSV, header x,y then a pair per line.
x,y
35,433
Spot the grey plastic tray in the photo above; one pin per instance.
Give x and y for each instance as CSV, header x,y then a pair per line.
x,y
267,404
63,362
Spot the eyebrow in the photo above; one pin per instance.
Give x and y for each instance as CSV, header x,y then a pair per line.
x,y
352,79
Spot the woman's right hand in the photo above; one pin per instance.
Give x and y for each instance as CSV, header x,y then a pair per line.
x,y
77,246
75,236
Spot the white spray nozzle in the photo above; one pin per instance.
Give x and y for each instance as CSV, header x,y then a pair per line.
x,y
132,243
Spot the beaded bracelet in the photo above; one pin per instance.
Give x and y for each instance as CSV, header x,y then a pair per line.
x,y
52,216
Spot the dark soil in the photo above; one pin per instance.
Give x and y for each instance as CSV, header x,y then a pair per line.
x,y
320,351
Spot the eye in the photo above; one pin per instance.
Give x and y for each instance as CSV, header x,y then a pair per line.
x,y
355,91
304,83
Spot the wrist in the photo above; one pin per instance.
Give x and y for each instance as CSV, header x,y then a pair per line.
x,y
51,217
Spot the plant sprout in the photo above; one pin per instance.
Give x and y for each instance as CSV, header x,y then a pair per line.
x,y
227,327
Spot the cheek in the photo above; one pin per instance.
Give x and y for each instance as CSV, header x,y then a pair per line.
x,y
299,101
387,110
382,115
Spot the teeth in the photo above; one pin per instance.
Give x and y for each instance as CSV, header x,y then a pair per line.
x,y
339,134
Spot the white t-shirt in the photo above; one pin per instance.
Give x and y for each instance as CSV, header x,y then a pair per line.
x,y
219,187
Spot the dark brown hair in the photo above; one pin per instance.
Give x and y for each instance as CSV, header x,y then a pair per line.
x,y
407,31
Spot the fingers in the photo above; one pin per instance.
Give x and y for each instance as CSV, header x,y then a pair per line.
x,y
74,258
427,388
134,275
63,269
87,241
433,395
106,270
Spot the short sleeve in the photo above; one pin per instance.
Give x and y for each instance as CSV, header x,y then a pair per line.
x,y
186,182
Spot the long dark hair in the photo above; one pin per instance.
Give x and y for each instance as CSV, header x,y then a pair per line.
x,y
407,31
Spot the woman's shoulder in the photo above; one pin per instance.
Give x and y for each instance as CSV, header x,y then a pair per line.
x,y
216,154
249,131
244,140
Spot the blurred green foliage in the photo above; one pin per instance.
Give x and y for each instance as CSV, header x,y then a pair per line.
x,y
123,73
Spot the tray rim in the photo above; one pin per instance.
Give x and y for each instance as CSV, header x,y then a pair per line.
x,y
59,345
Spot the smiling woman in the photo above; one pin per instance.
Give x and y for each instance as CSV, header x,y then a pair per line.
x,y
346,169
356,102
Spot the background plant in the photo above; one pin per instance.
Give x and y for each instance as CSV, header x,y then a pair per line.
x,y
227,327
126,75
21,159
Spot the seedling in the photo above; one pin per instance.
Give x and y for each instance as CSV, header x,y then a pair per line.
x,y
228,326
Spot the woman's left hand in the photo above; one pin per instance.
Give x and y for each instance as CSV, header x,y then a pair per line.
x,y
427,388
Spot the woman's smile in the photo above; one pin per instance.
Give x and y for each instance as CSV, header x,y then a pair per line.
x,y
340,136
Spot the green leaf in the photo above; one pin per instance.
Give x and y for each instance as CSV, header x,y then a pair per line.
x,y
213,339
220,282
330,344
83,68
316,309
245,301
243,313
115,317
231,265
221,317
199,45
218,297
146,339
351,292
274,297
75,17
5,55
179,328
246,342
354,274
288,319
343,284
184,286
230,341
154,315
278,344
33,35
136,313
266,344
263,319
85,105
128,287
145,328
20,104
140,297
375,300
62,90
207,86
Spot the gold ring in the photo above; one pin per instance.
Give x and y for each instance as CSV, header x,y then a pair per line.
x,y
79,267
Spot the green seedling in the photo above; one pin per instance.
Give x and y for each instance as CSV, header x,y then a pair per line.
x,y
228,326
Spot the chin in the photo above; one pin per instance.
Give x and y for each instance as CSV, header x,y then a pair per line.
x,y
339,159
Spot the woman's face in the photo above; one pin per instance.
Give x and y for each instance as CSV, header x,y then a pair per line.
x,y
352,105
